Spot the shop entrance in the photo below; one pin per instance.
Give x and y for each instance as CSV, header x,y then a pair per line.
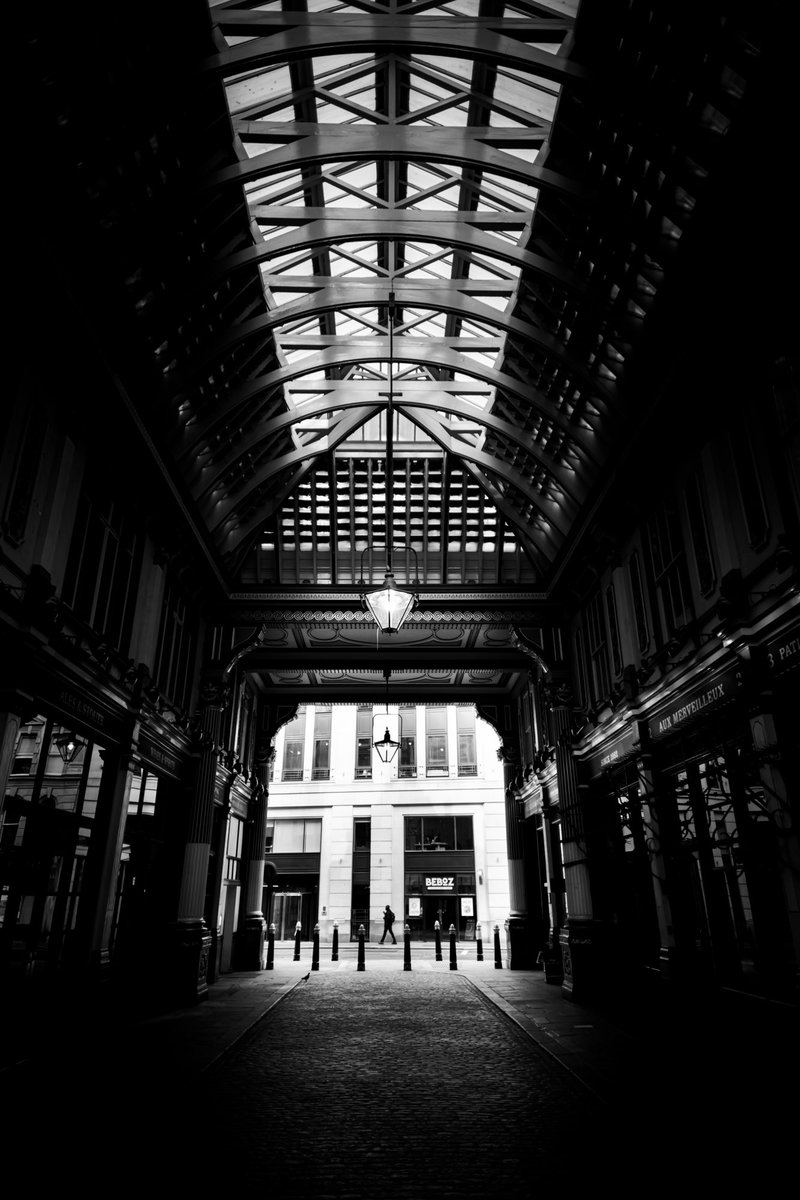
x,y
290,907
447,910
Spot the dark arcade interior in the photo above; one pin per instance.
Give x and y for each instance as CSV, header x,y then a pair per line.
x,y
493,301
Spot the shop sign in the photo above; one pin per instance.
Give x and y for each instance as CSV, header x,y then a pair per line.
x,y
100,722
691,706
158,756
783,652
440,883
609,756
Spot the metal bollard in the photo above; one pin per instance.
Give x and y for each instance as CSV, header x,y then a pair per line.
x,y
335,947
453,959
407,948
360,966
498,958
480,942
438,939
271,948
297,942
315,950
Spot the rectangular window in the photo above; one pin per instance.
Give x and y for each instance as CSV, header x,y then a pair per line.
x,y
639,609
438,833
321,766
580,659
464,836
102,567
361,833
294,748
613,629
233,849
364,743
436,740
467,757
698,532
23,479
408,743
296,837
23,759
750,492
174,667
599,679
413,833
670,574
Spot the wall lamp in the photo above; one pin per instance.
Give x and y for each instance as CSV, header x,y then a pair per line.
x,y
68,746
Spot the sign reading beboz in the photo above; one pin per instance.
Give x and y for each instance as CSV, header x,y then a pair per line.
x,y
440,883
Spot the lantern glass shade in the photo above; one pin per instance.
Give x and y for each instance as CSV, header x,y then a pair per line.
x,y
389,605
386,735
68,746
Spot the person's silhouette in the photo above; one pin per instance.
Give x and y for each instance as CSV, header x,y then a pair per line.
x,y
388,921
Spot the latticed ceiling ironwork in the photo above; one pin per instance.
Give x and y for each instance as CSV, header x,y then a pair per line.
x,y
392,161
280,221
455,169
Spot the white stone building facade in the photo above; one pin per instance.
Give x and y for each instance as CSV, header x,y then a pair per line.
x,y
348,833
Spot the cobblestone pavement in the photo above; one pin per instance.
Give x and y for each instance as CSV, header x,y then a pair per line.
x,y
364,1085
360,1086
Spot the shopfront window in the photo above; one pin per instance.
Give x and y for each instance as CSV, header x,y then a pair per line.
x,y
47,824
433,833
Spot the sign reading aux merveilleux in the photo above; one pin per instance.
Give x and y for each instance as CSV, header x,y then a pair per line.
x,y
692,705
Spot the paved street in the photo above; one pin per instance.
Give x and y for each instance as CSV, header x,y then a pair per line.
x,y
340,1084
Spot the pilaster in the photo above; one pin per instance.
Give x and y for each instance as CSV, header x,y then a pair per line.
x,y
191,938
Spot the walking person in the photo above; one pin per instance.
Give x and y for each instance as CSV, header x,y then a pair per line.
x,y
388,921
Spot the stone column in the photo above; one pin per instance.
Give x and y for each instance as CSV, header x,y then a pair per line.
x,y
518,942
579,936
192,940
95,923
249,944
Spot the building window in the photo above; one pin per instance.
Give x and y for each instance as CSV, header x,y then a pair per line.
x,y
174,667
698,532
599,680
670,575
467,758
439,833
361,834
321,765
295,837
436,740
408,743
364,743
583,678
102,568
23,759
23,481
233,850
294,748
613,629
750,492
637,595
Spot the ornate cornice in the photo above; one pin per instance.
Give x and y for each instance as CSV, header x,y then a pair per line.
x,y
438,597
267,617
